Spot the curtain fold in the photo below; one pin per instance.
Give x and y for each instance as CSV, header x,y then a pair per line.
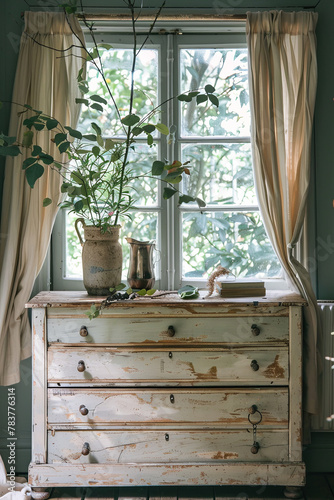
x,y
283,79
46,80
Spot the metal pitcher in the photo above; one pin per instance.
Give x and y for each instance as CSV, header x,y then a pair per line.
x,y
141,265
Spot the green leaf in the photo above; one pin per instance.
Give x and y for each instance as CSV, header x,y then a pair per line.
x,y
184,98
96,128
74,133
37,150
157,167
149,128
39,126
137,131
78,205
109,144
47,159
193,94
8,141
209,89
33,173
201,98
106,46
89,137
58,165
188,292
97,106
9,151
51,123
93,312
96,151
60,138
93,54
79,100
100,141
83,88
151,292
130,120
168,193
119,287
27,138
163,129
149,139
200,202
141,292
63,147
214,100
98,98
184,198
47,202
28,162
80,77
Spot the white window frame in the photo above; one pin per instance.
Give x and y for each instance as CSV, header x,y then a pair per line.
x,y
170,241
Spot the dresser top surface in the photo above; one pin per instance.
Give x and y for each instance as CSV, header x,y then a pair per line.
x,y
82,299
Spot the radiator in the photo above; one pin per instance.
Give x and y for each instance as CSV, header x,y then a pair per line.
x,y
326,405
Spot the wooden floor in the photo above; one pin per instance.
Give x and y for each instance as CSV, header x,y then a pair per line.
x,y
318,487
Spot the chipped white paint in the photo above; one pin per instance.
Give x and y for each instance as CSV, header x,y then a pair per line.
x,y
155,330
108,365
161,409
209,407
141,446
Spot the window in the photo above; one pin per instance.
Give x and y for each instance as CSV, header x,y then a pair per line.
x,y
191,240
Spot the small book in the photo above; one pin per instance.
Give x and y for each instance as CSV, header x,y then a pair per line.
x,y
240,288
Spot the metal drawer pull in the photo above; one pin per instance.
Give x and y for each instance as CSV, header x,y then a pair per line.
x,y
83,331
255,330
255,448
81,366
252,410
83,410
170,355
85,449
167,437
171,331
255,420
172,399
255,365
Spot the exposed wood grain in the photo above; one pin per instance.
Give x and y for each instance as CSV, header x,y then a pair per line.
x,y
162,366
82,300
211,407
236,473
39,405
295,383
132,331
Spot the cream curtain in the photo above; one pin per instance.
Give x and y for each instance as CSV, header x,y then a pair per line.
x,y
283,77
46,80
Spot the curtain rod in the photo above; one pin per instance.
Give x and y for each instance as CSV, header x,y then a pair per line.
x,y
164,17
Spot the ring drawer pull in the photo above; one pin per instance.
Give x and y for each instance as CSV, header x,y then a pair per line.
x,y
255,365
81,366
85,449
83,331
171,331
83,410
255,330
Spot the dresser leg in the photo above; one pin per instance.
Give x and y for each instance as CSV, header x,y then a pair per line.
x,y
293,492
40,493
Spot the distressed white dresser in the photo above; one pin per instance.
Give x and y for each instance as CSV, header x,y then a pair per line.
x,y
163,391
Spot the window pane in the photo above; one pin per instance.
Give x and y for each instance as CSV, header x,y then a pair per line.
x,y
220,174
235,240
226,70
117,69
144,188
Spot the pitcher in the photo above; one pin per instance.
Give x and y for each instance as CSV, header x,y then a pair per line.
x,y
141,266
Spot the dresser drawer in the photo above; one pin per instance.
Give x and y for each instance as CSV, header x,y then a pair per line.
x,y
152,330
112,366
165,446
209,406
